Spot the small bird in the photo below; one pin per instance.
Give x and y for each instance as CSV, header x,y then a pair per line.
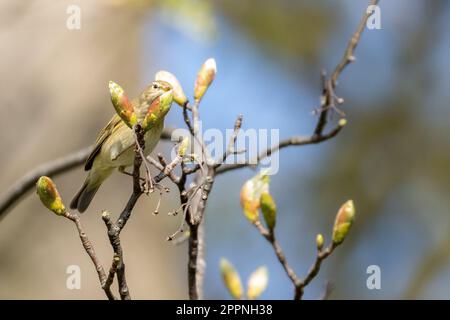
x,y
114,147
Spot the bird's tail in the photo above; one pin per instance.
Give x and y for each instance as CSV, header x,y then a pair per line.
x,y
84,196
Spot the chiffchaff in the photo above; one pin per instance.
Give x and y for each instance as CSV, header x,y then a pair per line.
x,y
114,147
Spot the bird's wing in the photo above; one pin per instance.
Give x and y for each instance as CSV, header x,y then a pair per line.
x,y
103,135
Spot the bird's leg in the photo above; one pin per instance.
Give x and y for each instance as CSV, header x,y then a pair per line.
x,y
149,182
122,170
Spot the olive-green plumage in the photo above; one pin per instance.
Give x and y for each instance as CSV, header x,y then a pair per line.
x,y
114,146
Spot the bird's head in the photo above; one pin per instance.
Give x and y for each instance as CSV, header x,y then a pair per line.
x,y
155,102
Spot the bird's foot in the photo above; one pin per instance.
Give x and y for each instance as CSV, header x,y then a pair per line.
x,y
122,170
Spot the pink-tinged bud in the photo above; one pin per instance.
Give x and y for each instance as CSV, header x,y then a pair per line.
x,y
122,105
49,195
343,222
204,78
231,279
158,109
269,210
178,94
251,195
257,283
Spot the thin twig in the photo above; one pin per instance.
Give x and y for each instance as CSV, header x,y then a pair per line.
x,y
329,97
299,284
88,247
232,143
112,273
314,270
186,118
117,266
329,100
292,141
269,235
167,170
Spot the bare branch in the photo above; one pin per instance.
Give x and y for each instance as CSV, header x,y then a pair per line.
x,y
187,120
118,266
232,143
87,245
292,141
328,102
28,181
329,97
314,270
52,168
270,237
114,229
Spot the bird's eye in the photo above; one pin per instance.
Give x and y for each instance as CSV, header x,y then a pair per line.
x,y
155,86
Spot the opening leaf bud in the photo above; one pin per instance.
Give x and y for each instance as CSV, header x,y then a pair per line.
x,y
269,210
178,94
204,79
343,222
49,195
319,241
122,105
251,195
184,145
231,279
257,283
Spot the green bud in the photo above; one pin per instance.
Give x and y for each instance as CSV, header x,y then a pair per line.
x,y
178,94
184,145
231,279
269,210
49,195
342,122
204,79
319,241
257,283
343,222
122,105
251,195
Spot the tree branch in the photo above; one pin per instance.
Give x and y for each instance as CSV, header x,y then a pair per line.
x,y
114,229
88,247
329,85
194,198
270,237
329,102
52,168
292,141
314,270
28,181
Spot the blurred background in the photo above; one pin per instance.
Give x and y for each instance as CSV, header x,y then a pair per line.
x,y
392,158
